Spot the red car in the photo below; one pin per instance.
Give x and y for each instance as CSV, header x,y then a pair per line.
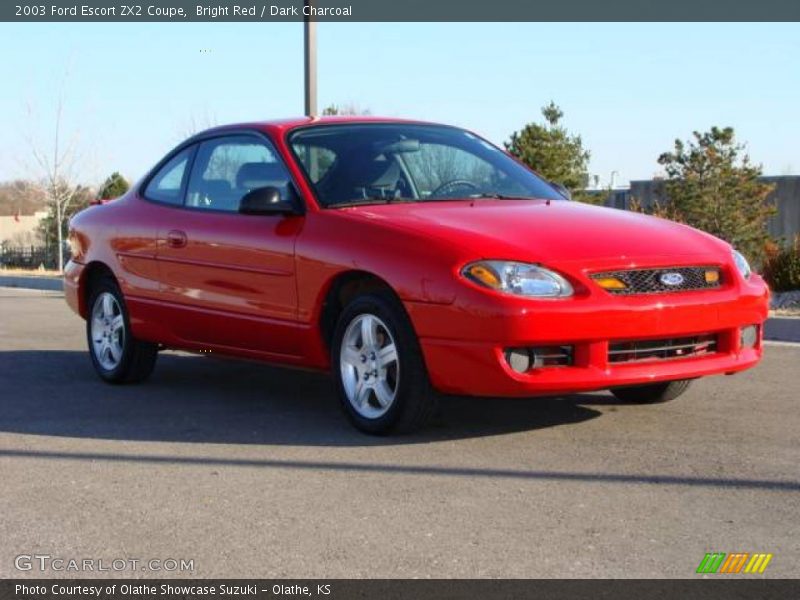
x,y
408,258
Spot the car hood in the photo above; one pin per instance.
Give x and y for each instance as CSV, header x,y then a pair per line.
x,y
540,230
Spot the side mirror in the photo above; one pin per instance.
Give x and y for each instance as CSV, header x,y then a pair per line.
x,y
561,190
265,201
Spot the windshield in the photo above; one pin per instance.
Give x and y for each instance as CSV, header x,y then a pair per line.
x,y
368,163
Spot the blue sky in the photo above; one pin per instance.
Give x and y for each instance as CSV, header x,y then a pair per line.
x,y
132,91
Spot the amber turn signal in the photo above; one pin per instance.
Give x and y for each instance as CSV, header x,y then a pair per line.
x,y
712,276
611,283
485,276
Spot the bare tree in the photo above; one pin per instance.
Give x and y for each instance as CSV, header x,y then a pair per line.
x,y
56,161
196,123
21,197
349,108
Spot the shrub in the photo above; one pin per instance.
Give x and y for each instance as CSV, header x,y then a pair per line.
x,y
663,210
782,266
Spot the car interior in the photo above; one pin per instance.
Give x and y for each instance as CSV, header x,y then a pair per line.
x,y
218,194
366,176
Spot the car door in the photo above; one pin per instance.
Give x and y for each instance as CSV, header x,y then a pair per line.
x,y
229,277
134,237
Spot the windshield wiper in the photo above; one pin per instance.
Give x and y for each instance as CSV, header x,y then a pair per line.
x,y
370,200
385,200
499,196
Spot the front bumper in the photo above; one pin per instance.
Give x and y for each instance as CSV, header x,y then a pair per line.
x,y
464,343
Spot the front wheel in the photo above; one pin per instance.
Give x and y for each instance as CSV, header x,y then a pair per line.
x,y
378,369
652,393
117,356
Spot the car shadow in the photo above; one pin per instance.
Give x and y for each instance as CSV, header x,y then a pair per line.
x,y
209,400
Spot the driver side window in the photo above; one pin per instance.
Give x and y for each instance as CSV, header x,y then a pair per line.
x,y
226,169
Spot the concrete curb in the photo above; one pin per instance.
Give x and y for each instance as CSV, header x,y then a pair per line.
x,y
31,282
782,329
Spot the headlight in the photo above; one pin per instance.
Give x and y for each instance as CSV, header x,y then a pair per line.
x,y
741,264
519,279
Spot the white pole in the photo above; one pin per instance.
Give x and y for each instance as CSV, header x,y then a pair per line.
x,y
310,43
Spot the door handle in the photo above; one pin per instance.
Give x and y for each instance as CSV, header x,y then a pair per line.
x,y
176,239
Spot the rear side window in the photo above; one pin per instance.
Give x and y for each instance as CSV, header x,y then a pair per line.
x,y
226,169
167,184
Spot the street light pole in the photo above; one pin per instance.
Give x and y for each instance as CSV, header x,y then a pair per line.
x,y
310,44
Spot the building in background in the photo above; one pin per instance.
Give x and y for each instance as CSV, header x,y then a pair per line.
x,y
21,230
785,223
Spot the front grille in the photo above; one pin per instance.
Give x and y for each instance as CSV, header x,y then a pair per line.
x,y
552,356
648,281
663,349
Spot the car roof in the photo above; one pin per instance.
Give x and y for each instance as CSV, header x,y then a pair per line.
x,y
279,126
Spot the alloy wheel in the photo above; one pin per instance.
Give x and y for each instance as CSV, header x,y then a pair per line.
x,y
107,331
369,366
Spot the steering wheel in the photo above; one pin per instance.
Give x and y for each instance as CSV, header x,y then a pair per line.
x,y
452,185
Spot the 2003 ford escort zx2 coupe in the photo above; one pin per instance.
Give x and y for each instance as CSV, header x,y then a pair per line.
x,y
407,258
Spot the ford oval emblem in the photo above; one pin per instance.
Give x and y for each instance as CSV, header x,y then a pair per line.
x,y
671,279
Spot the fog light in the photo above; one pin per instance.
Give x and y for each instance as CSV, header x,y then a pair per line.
x,y
519,359
536,357
749,336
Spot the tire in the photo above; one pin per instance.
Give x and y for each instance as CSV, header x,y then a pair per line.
x,y
116,355
653,393
394,394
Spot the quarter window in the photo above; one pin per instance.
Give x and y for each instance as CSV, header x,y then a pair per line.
x,y
167,183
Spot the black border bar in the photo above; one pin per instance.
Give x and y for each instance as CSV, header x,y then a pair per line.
x,y
399,10
716,588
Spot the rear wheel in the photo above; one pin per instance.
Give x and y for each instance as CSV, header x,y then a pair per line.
x,y
652,393
117,356
378,368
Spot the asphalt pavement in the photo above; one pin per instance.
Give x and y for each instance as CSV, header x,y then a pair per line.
x,y
252,471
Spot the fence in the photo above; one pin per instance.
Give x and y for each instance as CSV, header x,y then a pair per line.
x,y
29,257
785,224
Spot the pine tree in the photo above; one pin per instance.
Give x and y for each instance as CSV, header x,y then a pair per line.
x,y
554,153
712,185
113,187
